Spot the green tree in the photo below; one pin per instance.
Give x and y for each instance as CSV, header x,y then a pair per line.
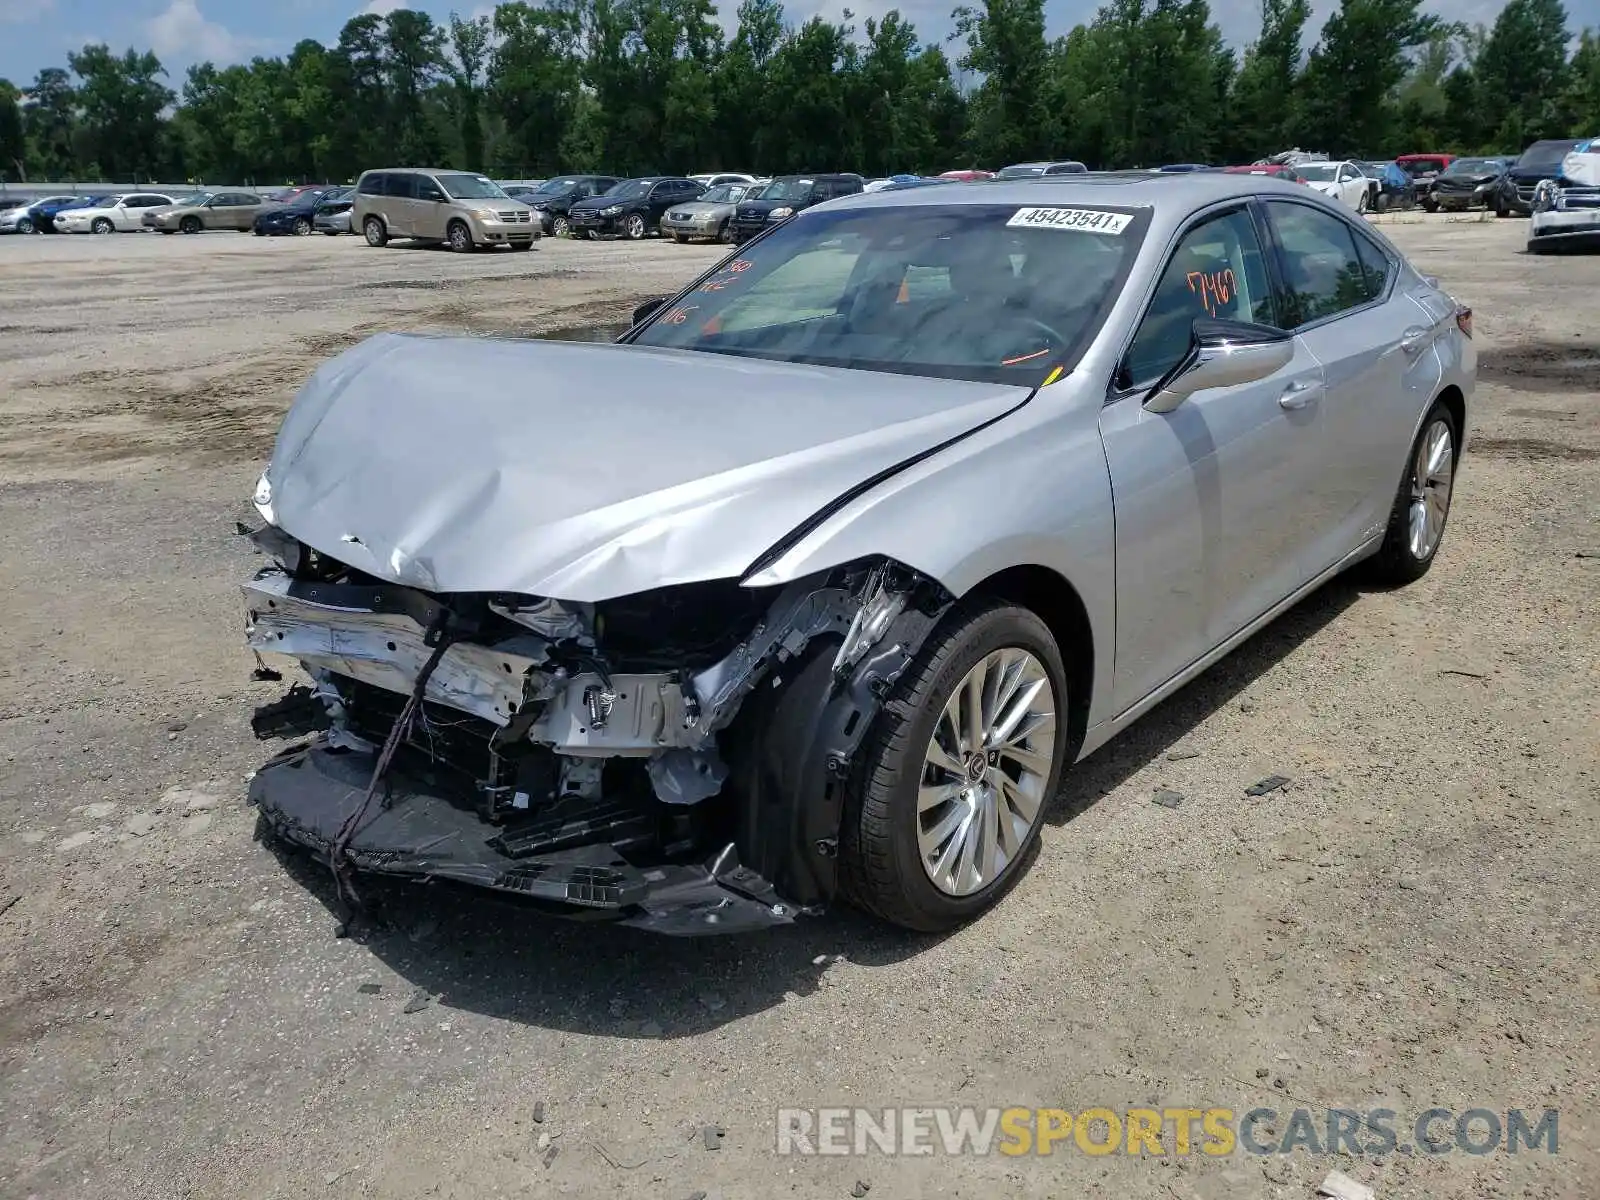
x,y
1522,72
13,142
1005,44
1583,87
469,44
413,61
121,101
1351,76
1266,94
533,89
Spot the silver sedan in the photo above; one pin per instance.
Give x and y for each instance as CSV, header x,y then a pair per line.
x,y
855,546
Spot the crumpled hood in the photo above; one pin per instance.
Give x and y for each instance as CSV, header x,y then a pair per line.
x,y
586,471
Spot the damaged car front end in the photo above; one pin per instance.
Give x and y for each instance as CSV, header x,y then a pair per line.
x,y
580,754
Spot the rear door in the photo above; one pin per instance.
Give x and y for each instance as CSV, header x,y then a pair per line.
x,y
430,208
133,209
1213,498
399,191
1375,345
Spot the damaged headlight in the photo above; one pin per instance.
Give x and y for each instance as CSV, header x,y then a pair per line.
x,y
779,214
262,499
611,210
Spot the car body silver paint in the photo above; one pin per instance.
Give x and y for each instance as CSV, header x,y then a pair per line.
x,y
486,465
470,495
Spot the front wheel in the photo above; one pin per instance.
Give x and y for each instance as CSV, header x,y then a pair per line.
x,y
302,227
102,225
25,225
681,238
952,782
1421,505
636,228
560,227
460,237
189,225
376,235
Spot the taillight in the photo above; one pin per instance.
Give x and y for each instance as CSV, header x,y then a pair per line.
x,y
1464,319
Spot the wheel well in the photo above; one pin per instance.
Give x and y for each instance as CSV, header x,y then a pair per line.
x,y
1057,603
1453,400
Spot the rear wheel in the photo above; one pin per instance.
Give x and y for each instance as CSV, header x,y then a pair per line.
x,y
954,778
1421,505
376,235
102,225
1363,202
189,225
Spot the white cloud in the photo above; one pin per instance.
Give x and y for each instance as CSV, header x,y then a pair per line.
x,y
21,12
380,8
182,33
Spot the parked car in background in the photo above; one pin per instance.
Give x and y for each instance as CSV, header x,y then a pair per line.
x,y
11,213
1470,183
1423,170
23,217
1272,170
787,195
332,215
123,213
460,208
289,195
297,217
46,212
1391,186
877,553
719,178
1030,170
709,215
207,210
1343,181
1566,210
1185,167
554,199
1539,162
967,176
901,185
633,208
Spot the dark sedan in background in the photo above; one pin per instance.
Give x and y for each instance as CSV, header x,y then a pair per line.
x,y
1538,162
1471,183
787,195
633,208
553,199
296,217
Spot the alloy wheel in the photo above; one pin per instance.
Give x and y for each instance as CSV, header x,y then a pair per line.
x,y
559,227
1432,476
636,227
102,225
301,227
985,771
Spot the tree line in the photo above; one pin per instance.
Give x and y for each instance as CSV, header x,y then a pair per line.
x,y
641,86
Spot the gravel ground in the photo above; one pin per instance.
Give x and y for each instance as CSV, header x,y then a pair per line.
x,y
1410,923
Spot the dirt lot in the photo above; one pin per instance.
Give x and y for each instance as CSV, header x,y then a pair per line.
x,y
1411,923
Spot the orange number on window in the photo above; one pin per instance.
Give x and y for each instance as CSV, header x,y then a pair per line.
x,y
679,315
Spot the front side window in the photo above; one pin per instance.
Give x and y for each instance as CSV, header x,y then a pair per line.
x,y
1216,271
981,292
1324,275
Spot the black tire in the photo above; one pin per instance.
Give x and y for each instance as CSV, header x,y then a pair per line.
x,y
1395,565
636,227
1363,202
880,867
302,227
522,245
560,227
460,237
189,225
1383,201
330,233
102,225
372,229
25,225
681,238
725,233
1500,209
1430,205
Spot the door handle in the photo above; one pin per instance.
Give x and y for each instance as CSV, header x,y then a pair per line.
x,y
1416,339
1300,394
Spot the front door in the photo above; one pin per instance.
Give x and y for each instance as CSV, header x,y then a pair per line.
x,y
1380,366
1211,498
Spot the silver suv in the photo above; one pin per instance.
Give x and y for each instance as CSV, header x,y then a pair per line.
x,y
459,207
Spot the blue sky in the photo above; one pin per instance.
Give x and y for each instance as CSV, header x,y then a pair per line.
x,y
39,33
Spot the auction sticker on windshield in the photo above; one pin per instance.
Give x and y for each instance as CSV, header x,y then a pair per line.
x,y
1086,220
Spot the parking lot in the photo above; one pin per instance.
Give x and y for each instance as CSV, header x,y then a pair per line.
x,y
1410,923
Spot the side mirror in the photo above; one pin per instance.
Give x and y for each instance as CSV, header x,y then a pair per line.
x,y
648,309
1222,354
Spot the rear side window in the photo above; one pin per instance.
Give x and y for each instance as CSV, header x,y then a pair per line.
x,y
1375,266
1324,274
400,185
372,184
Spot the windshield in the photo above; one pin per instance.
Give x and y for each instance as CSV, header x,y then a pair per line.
x,y
723,193
471,187
788,189
1545,154
1318,172
1473,166
630,189
555,187
1421,166
1021,171
989,292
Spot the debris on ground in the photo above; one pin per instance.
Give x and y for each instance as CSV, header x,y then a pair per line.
x,y
550,1155
1270,784
141,823
1167,798
713,1135
538,1112
629,1161
5,904
861,1188
1340,1186
420,999
370,989
1180,755
1465,674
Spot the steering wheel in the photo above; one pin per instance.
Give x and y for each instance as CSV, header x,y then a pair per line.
x,y
1015,322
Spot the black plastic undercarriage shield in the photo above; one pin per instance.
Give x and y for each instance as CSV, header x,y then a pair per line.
x,y
307,794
